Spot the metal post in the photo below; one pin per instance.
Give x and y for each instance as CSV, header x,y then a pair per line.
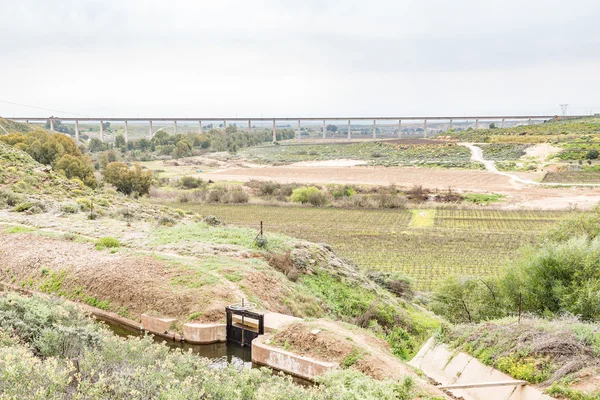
x,y
324,130
450,125
150,130
274,132
126,132
502,123
200,127
476,124
250,126
77,130
175,127
101,132
299,131
425,128
374,129
399,129
51,124
349,131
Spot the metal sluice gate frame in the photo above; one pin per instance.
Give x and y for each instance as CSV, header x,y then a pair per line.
x,y
243,334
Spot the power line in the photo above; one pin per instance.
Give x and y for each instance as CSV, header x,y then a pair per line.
x,y
41,108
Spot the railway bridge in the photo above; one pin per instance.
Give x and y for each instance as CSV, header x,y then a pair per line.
x,y
501,119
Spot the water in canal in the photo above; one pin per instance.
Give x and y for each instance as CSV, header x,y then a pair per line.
x,y
220,353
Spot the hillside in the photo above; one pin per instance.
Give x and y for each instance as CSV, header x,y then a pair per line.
x,y
110,251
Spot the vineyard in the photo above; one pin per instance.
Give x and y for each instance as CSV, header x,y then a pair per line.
x,y
396,153
476,242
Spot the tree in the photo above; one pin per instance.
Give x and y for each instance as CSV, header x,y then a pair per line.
x,y
592,154
182,149
120,142
106,126
128,180
493,125
331,128
77,167
96,145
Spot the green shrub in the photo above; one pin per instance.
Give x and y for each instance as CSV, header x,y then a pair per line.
x,y
23,206
107,242
189,182
128,180
70,208
310,195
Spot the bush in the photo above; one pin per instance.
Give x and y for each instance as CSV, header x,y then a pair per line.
x,y
189,182
310,195
107,242
23,206
10,198
592,154
128,180
70,208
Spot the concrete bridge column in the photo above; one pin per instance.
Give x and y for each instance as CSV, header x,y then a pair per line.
x,y
224,124
324,130
299,131
476,124
150,131
126,132
101,132
374,129
250,126
349,131
450,125
425,128
399,129
502,123
76,130
274,132
200,127
529,121
175,127
51,124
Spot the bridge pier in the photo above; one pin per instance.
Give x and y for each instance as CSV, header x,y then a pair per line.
x,y
250,126
175,127
425,128
324,130
274,132
150,131
126,132
101,132
299,131
374,129
224,124
76,130
476,124
450,125
200,127
529,121
502,123
399,129
51,124
349,131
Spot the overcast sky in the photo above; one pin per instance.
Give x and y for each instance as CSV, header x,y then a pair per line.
x,y
299,57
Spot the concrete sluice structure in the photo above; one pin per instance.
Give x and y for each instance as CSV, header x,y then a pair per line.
x,y
465,376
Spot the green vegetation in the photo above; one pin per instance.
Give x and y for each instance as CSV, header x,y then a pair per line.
x,y
503,151
483,198
107,242
57,150
557,276
53,351
128,180
534,349
572,177
447,155
310,195
474,242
